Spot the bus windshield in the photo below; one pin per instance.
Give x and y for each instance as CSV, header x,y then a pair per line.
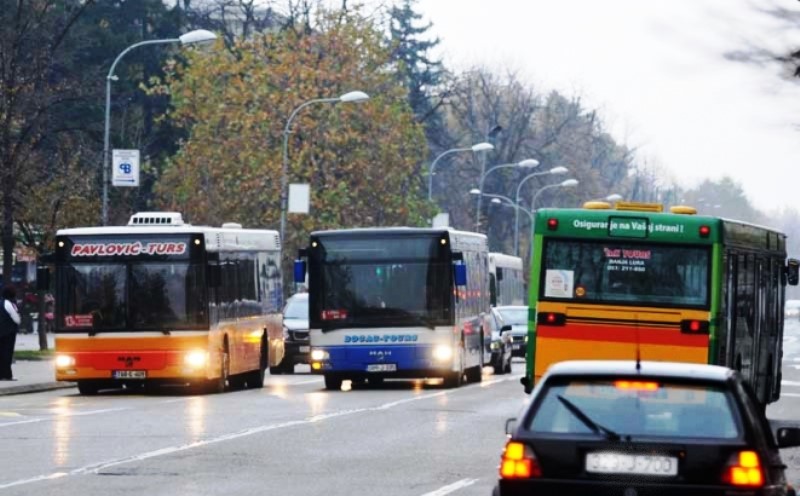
x,y
383,282
625,273
132,296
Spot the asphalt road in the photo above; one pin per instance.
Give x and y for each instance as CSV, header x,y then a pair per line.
x,y
292,437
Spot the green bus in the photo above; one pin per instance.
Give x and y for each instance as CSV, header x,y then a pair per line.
x,y
634,282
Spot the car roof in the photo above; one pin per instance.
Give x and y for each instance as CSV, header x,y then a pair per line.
x,y
670,370
299,296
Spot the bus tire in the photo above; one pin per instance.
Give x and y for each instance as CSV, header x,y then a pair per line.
x,y
474,374
255,379
333,383
220,384
88,388
453,380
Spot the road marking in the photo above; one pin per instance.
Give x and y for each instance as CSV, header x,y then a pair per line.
x,y
790,383
793,395
58,415
97,467
455,486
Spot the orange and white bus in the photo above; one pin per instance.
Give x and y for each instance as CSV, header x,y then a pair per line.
x,y
160,301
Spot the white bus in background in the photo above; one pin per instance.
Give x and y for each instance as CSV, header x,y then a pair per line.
x,y
506,282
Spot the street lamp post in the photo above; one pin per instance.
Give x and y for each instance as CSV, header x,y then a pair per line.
x,y
198,36
563,184
500,199
523,163
351,97
479,147
554,171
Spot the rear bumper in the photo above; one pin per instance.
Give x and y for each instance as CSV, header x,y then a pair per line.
x,y
603,488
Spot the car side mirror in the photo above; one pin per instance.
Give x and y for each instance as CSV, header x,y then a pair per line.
x,y
788,437
505,328
511,426
792,271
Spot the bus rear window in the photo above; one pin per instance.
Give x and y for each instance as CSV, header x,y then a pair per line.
x,y
625,273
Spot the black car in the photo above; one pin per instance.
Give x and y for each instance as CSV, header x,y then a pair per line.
x,y
497,343
615,428
296,344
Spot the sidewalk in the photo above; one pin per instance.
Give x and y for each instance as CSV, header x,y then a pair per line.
x,y
32,375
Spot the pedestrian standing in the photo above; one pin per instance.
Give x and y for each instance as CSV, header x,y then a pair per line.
x,y
9,326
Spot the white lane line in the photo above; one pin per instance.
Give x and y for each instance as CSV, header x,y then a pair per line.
x,y
790,383
455,486
310,381
97,467
61,415
793,395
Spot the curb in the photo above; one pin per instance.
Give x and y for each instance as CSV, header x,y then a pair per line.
x,y
35,388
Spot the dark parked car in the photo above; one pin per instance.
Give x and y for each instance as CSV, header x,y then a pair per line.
x,y
497,344
615,428
517,317
295,334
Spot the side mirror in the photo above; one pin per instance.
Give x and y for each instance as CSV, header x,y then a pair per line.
x,y
460,274
505,328
788,437
792,271
42,278
511,426
299,271
214,276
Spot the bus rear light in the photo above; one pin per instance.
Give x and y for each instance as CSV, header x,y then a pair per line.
x,y
744,469
704,231
694,326
552,224
551,318
519,462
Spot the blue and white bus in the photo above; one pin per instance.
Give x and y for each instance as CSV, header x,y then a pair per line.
x,y
506,280
396,303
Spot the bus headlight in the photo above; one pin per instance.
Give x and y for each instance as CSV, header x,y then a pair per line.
x,y
65,361
196,358
319,355
442,353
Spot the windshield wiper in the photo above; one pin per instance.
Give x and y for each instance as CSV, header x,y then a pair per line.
x,y
588,422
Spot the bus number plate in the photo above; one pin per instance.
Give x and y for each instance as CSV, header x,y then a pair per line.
x,y
382,367
130,374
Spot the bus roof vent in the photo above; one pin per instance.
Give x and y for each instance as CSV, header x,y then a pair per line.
x,y
597,205
156,219
683,209
640,206
231,225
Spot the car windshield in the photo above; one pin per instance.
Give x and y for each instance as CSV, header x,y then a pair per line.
x,y
514,316
296,308
637,407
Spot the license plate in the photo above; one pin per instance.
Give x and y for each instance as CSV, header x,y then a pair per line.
x,y
305,349
129,374
382,367
621,463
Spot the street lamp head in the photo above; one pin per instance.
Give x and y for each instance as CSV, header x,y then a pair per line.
x,y
496,201
558,170
482,147
354,96
197,37
528,162
474,191
569,182
613,197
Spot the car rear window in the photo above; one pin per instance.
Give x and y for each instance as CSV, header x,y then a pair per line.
x,y
637,407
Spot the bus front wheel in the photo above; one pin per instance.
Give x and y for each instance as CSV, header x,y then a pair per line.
x,y
453,380
333,383
88,388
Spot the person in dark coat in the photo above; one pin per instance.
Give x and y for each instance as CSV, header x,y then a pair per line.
x,y
9,326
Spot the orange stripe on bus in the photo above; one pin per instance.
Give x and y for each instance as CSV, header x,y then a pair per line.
x,y
550,351
599,334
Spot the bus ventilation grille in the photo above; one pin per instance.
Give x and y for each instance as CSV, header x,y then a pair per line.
x,y
156,219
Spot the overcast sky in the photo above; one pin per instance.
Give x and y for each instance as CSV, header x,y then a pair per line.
x,y
656,69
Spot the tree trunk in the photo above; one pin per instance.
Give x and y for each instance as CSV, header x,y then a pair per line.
x,y
8,234
42,330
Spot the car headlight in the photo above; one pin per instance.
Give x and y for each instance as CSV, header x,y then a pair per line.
x,y
495,345
286,334
526,338
318,355
443,353
65,361
196,358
